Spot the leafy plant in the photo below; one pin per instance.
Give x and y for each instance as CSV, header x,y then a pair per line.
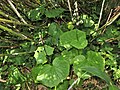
x,y
60,48
52,75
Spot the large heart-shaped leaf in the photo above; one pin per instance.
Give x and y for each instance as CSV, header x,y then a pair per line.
x,y
96,60
79,62
93,59
52,75
75,38
54,31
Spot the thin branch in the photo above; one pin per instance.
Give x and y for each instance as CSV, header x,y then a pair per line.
x,y
15,22
73,84
15,10
69,7
107,20
1,80
100,14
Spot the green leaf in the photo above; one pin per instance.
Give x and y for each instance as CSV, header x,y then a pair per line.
x,y
54,31
97,72
79,62
63,86
75,38
49,50
54,12
52,75
96,60
40,55
35,71
36,14
69,55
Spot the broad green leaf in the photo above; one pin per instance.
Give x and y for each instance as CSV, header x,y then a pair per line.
x,y
97,72
35,71
69,55
52,75
36,14
96,60
79,62
40,55
75,38
49,50
54,12
63,86
54,31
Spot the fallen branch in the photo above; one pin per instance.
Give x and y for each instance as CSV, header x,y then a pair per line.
x,y
1,80
15,10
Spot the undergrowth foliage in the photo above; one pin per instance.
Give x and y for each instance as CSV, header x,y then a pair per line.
x,y
59,48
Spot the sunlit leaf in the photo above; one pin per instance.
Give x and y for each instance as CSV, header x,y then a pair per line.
x,y
52,75
75,38
54,31
96,60
49,50
40,55
79,62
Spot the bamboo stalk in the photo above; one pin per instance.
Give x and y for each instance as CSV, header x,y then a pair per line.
x,y
15,33
7,16
15,10
100,14
14,22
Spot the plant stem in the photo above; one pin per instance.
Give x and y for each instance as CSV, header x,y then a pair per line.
x,y
14,22
69,7
73,84
15,10
15,33
7,16
100,14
